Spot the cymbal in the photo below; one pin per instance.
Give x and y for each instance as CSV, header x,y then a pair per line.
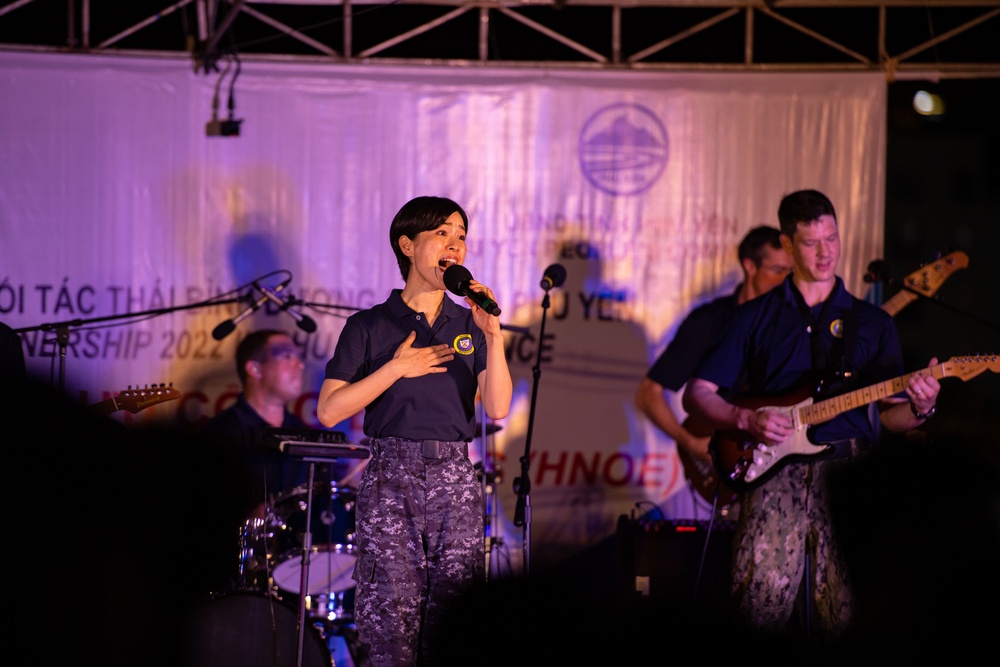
x,y
490,428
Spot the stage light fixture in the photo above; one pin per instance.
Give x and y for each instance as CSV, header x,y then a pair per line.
x,y
928,104
229,127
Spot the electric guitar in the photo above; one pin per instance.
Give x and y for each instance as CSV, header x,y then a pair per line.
x,y
135,400
745,463
925,281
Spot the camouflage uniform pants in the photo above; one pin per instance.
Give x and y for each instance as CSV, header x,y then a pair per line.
x,y
779,521
420,541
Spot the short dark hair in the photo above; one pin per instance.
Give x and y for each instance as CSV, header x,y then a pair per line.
x,y
802,206
753,244
252,348
420,214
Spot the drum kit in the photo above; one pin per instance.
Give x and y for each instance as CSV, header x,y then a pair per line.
x,y
271,549
257,620
302,541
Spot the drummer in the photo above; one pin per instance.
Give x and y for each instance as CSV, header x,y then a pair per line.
x,y
270,369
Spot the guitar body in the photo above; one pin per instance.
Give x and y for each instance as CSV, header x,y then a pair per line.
x,y
743,462
701,475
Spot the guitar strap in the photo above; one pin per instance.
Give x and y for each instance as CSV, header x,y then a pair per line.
x,y
838,362
850,339
839,359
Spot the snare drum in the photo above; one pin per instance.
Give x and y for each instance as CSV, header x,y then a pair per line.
x,y
332,554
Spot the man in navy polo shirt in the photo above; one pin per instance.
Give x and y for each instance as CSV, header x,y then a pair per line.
x,y
415,364
270,370
808,329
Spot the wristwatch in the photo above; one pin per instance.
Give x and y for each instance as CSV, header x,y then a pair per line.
x,y
926,415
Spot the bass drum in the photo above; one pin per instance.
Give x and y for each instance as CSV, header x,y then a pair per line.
x,y
248,629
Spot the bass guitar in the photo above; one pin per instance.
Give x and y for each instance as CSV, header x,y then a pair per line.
x,y
702,475
136,399
925,281
745,463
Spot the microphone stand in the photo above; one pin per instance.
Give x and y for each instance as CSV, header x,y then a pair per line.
x,y
62,328
522,484
947,306
318,305
490,478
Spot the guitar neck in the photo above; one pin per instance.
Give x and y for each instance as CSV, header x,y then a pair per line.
x,y
898,301
105,407
827,409
963,368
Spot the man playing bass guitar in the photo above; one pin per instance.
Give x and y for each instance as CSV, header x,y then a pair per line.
x,y
806,329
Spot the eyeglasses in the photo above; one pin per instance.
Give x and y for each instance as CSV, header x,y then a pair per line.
x,y
778,270
284,353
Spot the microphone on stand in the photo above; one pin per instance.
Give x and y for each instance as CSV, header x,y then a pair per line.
x,y
554,276
227,327
456,279
875,272
304,322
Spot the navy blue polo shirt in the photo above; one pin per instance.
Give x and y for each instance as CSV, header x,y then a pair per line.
x,y
767,339
241,430
692,341
436,406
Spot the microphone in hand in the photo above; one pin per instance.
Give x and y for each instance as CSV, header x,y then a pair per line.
x,y
456,279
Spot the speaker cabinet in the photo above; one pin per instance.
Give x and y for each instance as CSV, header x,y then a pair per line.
x,y
675,564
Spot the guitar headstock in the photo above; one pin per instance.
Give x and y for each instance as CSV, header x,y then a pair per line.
x,y
928,278
138,399
966,368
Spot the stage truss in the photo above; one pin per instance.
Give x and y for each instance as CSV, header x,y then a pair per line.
x,y
903,38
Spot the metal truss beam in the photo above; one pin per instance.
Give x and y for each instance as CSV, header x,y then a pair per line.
x,y
943,38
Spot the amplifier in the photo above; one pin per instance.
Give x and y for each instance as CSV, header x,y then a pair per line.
x,y
675,563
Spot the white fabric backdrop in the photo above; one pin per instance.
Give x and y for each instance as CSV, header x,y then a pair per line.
x,y
113,200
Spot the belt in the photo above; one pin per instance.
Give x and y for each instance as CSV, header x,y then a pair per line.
x,y
428,449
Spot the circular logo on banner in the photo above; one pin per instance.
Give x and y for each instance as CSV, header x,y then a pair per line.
x,y
463,344
623,149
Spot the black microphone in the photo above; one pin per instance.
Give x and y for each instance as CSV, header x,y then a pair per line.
x,y
456,279
554,276
227,327
875,272
304,322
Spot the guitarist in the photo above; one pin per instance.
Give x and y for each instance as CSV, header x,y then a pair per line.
x,y
765,265
808,325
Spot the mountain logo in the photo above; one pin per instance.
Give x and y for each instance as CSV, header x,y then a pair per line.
x,y
623,149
